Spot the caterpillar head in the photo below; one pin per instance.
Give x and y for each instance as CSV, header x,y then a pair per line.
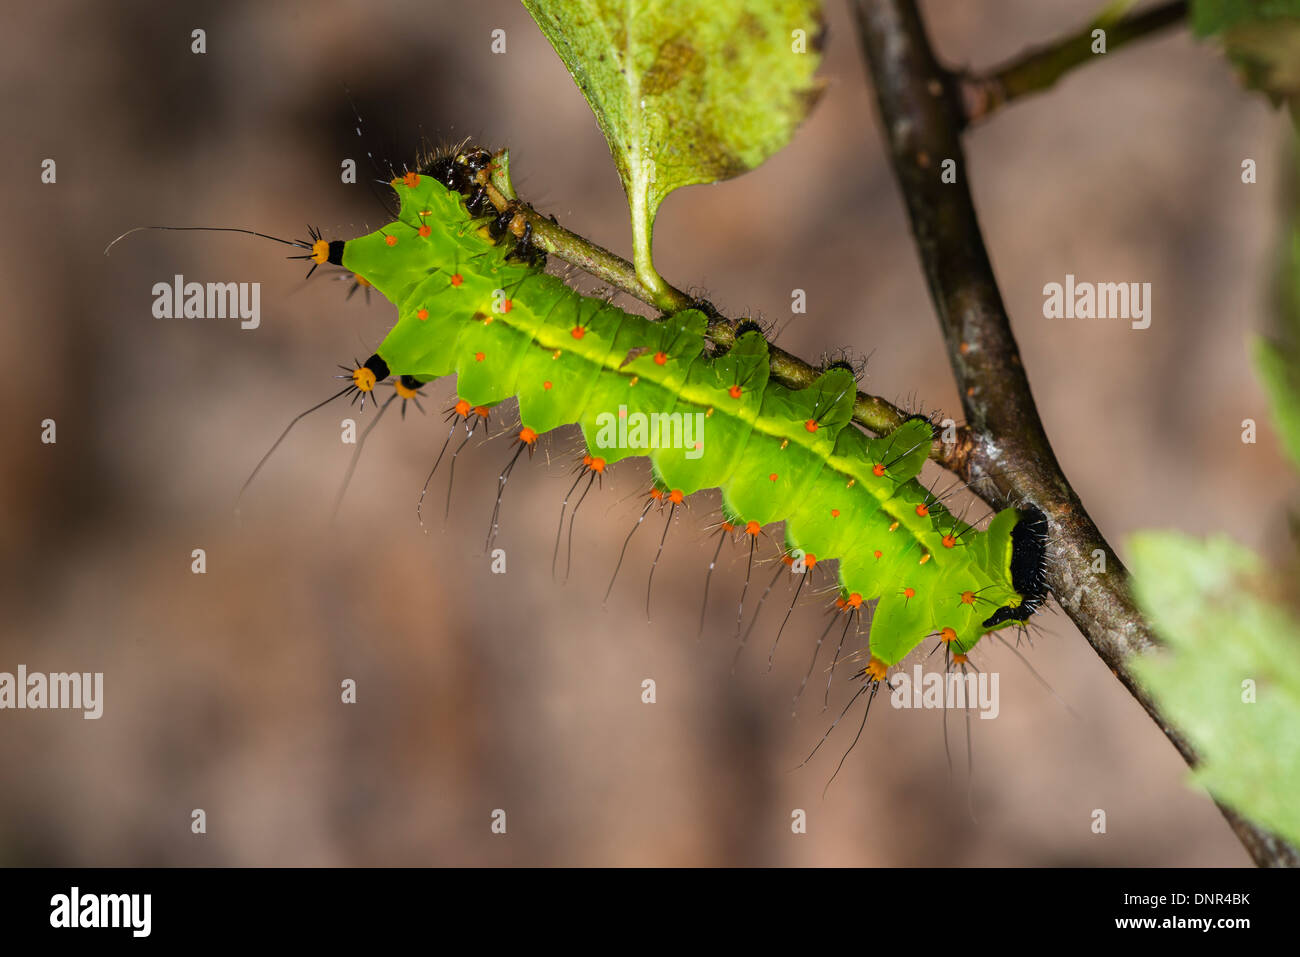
x,y
1028,567
463,169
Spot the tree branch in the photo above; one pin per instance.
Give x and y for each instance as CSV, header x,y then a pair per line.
x,y
1037,70
921,112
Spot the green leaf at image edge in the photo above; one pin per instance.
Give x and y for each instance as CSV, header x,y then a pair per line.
x,y
686,91
1281,379
1224,639
1262,39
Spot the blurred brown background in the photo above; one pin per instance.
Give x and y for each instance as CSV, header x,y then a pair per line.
x,y
480,691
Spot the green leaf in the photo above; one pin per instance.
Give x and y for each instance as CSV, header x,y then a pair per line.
x,y
1277,363
1262,37
686,91
1215,16
1281,377
1225,640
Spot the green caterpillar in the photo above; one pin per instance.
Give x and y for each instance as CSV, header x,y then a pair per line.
x,y
473,300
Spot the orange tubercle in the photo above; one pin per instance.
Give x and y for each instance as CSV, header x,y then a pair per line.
x,y
811,425
923,510
854,600
876,669
320,252
457,279
947,635
676,496
753,528
660,358
403,391
422,314
968,598
909,592
462,408
597,464
735,391
527,436
425,231
412,180
949,541
391,240
577,332
363,379
878,470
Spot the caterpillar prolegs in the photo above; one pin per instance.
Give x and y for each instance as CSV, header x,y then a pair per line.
x,y
473,300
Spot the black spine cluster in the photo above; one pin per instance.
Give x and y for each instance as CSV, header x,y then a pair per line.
x,y
1028,567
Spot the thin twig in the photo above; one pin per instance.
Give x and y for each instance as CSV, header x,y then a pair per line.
x,y
1037,70
921,112
871,411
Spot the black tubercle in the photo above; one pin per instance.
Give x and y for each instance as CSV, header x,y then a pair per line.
x,y
842,364
748,325
378,366
409,381
1028,567
336,252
